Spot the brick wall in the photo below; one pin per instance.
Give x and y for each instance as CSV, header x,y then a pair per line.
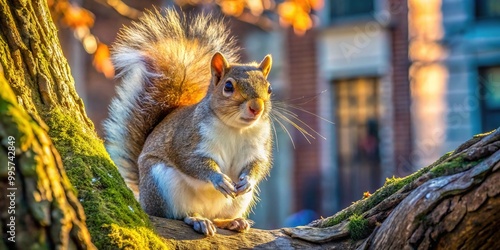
x,y
303,76
401,87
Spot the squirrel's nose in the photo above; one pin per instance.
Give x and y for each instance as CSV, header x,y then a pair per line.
x,y
255,106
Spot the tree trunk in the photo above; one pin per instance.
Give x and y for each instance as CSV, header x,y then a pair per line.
x,y
452,203
38,207
39,75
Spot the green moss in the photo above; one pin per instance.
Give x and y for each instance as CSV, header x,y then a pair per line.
x,y
456,165
392,180
101,190
483,134
391,186
136,238
358,227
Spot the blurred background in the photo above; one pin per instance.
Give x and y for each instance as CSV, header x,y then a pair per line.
x,y
403,82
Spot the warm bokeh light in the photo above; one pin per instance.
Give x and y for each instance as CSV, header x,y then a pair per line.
x,y
429,77
90,44
102,61
296,13
122,8
425,19
73,16
232,8
426,51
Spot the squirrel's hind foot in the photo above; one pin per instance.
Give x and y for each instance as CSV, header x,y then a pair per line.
x,y
238,224
209,228
201,225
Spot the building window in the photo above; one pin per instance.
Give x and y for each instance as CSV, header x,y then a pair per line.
x,y
357,119
490,97
487,9
348,8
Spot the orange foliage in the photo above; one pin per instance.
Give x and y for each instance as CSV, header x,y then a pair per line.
x,y
102,61
366,194
80,21
297,13
71,15
232,7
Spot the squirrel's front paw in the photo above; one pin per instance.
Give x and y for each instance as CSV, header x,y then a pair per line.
x,y
224,184
245,185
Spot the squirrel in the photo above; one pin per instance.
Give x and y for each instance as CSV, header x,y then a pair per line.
x,y
190,128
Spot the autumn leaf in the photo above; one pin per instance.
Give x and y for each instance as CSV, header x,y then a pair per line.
x,y
297,13
232,7
102,61
366,194
75,17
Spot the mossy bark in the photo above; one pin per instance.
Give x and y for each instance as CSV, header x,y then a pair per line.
x,y
450,204
39,75
38,208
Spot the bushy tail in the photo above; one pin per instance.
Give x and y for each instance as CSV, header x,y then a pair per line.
x,y
163,62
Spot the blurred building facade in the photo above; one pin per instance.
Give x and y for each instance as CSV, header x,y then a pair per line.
x,y
351,70
364,65
403,82
455,53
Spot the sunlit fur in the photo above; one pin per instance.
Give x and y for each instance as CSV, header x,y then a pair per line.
x,y
245,89
172,129
152,57
192,143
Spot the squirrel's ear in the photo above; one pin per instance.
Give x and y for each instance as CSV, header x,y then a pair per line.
x,y
265,65
219,66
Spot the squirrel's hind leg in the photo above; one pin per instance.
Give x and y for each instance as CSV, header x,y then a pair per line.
x,y
200,224
238,224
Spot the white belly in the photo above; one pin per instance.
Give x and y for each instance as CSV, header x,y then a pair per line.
x,y
233,149
186,195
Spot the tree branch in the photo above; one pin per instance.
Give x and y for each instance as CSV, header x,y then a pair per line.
x,y
451,204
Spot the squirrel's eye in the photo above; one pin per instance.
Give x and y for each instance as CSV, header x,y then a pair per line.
x,y
228,87
270,89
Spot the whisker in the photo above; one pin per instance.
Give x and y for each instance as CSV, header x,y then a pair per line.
x,y
284,128
300,129
231,114
275,134
295,116
305,111
284,110
310,98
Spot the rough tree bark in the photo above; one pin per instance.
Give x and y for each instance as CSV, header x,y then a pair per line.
x,y
38,207
452,203
39,75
